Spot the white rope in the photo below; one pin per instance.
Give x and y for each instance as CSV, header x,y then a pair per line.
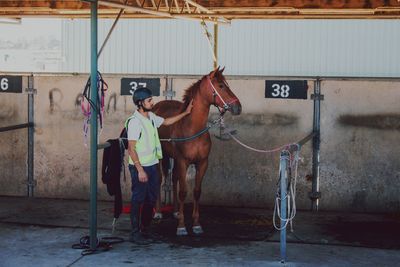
x,y
291,195
113,225
259,150
208,36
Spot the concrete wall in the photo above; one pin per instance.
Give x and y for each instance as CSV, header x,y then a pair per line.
x,y
13,144
360,124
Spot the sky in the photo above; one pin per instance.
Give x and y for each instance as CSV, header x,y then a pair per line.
x,y
31,28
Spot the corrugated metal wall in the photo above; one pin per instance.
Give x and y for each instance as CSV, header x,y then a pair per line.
x,y
139,46
247,47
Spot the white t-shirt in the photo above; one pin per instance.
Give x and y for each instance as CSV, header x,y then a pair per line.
x,y
135,127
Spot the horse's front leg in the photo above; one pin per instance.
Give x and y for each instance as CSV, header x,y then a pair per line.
x,y
181,169
201,168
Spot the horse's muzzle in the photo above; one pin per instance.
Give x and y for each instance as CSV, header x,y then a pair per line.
x,y
236,109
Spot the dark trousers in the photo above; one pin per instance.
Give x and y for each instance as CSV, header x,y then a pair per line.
x,y
143,193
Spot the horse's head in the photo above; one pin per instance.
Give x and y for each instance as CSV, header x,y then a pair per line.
x,y
220,94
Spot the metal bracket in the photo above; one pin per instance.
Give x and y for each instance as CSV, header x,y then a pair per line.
x,y
169,93
33,184
30,91
316,97
166,187
314,195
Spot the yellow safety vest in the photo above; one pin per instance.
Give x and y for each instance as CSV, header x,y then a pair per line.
x,y
148,147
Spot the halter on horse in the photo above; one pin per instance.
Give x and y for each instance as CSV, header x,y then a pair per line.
x,y
212,89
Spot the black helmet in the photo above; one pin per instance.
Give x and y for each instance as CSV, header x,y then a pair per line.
x,y
141,94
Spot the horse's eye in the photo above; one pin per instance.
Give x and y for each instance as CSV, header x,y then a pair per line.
x,y
221,85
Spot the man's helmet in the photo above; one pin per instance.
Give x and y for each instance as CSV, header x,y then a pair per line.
x,y
141,94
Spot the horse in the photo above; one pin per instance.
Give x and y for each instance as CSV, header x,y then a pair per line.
x,y
211,89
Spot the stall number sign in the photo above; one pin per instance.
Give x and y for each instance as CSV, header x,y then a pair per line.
x,y
11,84
129,85
286,89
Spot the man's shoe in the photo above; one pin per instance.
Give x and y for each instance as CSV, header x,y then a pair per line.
x,y
148,235
138,239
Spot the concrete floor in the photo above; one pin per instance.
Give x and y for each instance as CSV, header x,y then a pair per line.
x,y
40,232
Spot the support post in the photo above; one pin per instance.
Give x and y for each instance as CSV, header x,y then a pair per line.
x,y
283,175
167,187
93,127
315,194
216,45
31,91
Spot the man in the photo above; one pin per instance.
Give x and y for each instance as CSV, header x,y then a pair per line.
x,y
144,151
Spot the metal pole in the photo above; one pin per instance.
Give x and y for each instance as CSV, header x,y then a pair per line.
x,y
93,127
315,194
31,182
169,95
283,187
18,126
215,45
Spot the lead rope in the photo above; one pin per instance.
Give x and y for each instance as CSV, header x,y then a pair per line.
x,y
293,159
280,148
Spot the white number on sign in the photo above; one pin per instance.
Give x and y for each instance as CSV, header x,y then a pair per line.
x,y
135,85
4,84
282,91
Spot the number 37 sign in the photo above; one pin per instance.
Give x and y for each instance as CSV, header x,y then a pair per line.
x,y
129,85
286,89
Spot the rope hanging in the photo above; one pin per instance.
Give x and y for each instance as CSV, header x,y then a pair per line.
x,y
293,160
88,106
208,36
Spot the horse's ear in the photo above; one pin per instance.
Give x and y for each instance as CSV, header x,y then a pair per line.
x,y
222,70
212,74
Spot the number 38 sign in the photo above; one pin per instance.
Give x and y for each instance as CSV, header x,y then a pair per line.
x,y
286,89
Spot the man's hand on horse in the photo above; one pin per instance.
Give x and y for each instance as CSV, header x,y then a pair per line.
x,y
189,107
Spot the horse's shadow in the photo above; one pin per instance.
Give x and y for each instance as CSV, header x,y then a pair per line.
x,y
221,226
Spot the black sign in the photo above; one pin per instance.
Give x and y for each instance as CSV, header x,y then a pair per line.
x,y
286,89
11,84
129,85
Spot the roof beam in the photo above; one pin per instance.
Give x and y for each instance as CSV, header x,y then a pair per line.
x,y
229,9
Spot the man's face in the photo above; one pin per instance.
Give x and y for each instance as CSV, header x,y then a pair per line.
x,y
148,103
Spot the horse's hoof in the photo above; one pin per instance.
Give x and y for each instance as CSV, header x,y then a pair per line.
x,y
157,216
197,230
176,214
181,231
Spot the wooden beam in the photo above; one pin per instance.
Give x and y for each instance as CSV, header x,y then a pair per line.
x,y
211,4
226,16
230,9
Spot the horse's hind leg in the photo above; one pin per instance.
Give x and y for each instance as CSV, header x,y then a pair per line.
x,y
162,174
201,168
181,168
175,178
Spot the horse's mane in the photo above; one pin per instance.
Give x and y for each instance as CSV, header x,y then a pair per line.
x,y
194,89
190,93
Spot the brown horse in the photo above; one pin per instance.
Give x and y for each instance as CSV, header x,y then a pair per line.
x,y
211,89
